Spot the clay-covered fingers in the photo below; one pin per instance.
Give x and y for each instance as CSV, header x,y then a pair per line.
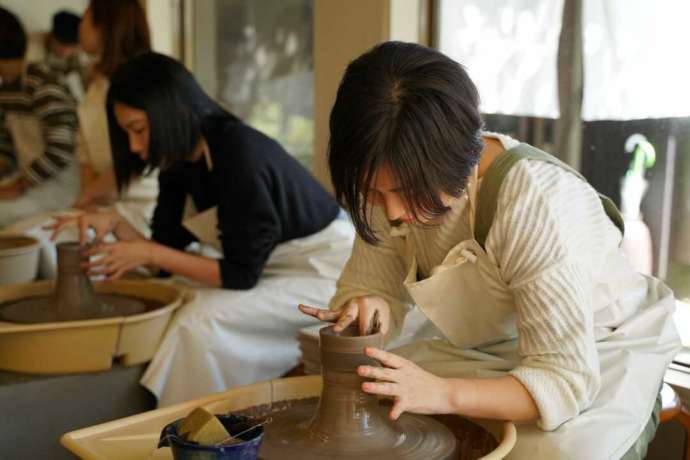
x,y
59,224
378,373
119,272
319,313
386,358
398,409
381,388
374,315
347,316
98,249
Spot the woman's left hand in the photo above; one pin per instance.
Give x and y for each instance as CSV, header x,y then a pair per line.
x,y
118,258
413,389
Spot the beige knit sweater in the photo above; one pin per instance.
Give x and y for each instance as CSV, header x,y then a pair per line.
x,y
555,249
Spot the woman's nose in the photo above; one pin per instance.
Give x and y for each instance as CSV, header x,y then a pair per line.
x,y
134,144
395,208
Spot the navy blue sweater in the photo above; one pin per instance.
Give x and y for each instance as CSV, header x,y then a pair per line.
x,y
264,197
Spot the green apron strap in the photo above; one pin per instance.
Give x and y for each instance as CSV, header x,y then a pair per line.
x,y
493,179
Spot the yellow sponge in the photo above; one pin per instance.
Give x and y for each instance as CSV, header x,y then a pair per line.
x,y
203,427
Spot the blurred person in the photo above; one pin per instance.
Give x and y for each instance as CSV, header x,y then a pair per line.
x,y
38,124
63,55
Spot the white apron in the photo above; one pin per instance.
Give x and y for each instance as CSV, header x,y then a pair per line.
x,y
224,338
468,302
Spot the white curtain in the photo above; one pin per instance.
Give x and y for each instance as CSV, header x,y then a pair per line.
x,y
635,59
509,48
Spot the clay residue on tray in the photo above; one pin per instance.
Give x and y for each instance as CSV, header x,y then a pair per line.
x,y
473,441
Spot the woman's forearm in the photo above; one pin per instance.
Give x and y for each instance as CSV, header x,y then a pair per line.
x,y
203,269
123,230
503,398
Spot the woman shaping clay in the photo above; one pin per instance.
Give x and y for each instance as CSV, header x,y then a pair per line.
x,y
536,316
273,228
251,194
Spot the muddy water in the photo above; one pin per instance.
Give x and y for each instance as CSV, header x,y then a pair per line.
x,y
42,309
473,441
14,242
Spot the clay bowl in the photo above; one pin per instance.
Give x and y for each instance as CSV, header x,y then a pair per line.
x,y
19,256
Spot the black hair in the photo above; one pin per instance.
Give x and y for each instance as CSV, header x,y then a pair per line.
x,y
409,108
66,27
175,106
12,36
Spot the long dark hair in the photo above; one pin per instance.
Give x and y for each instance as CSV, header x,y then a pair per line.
x,y
413,110
175,106
124,32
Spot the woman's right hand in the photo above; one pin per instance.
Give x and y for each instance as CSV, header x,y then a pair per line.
x,y
102,223
362,309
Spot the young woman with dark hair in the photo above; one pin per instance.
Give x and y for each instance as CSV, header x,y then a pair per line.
x,y
160,118
535,315
274,227
113,33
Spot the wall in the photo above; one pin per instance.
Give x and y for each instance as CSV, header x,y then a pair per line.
x,y
344,29
164,21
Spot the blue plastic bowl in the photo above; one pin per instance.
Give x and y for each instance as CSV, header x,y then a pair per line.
x,y
247,450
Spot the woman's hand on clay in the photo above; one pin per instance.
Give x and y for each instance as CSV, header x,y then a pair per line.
x,y
363,308
115,259
102,223
412,388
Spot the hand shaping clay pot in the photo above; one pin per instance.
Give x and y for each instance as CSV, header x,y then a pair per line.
x,y
73,299
349,423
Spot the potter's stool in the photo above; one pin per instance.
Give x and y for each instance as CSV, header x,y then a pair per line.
x,y
672,409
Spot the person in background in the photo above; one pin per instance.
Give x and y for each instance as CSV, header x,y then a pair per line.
x,y
274,229
260,196
38,124
112,33
63,55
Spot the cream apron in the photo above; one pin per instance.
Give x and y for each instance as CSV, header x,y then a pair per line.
x,y
226,338
466,299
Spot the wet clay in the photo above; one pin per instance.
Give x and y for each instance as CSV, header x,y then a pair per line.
x,y
473,441
348,423
14,242
73,299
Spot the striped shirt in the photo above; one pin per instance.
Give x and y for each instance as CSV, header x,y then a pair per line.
x,y
38,94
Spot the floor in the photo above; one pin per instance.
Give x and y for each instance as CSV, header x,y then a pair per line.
x,y
38,410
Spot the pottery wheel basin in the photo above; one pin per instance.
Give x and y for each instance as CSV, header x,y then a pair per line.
x,y
56,347
136,437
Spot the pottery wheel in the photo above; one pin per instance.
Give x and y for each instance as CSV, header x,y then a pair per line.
x,y
419,438
43,310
